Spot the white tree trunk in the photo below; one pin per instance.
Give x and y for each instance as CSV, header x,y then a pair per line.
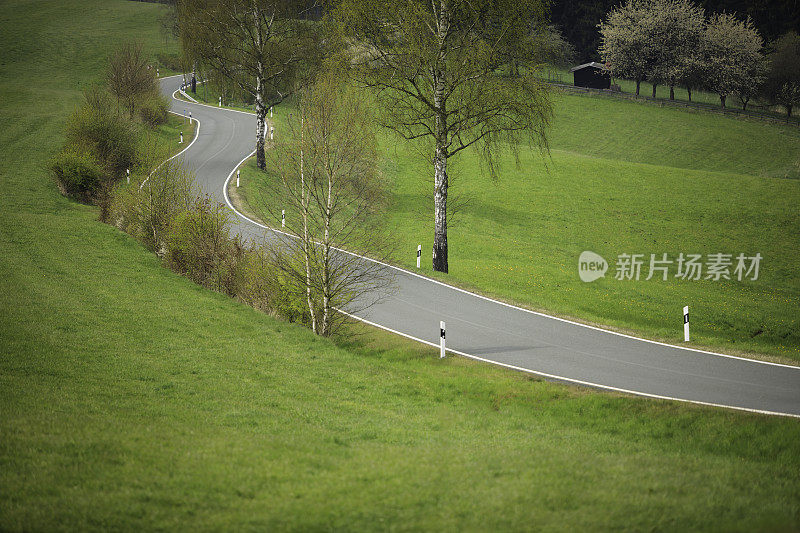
x,y
440,212
305,199
261,126
326,265
440,263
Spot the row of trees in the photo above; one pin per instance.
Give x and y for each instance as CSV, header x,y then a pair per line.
x,y
433,67
673,43
577,19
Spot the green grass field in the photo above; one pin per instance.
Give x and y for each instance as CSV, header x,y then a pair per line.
x,y
621,177
132,399
563,75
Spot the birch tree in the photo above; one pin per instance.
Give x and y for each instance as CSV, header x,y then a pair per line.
x,y
324,171
433,66
262,47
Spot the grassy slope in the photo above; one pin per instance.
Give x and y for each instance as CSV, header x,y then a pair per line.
x,y
132,399
621,178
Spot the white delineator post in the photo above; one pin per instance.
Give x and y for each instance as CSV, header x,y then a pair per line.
x,y
237,178
686,324
220,101
271,132
419,254
128,174
157,74
283,218
270,111
181,141
441,339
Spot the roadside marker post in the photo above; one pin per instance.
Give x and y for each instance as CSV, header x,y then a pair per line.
x,y
157,74
686,324
283,218
190,116
271,132
128,174
181,141
270,111
237,178
220,101
441,339
419,254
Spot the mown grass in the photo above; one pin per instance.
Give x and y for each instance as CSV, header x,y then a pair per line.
x,y
132,399
621,177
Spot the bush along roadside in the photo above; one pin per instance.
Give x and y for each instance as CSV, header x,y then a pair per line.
x,y
191,234
104,135
110,138
112,158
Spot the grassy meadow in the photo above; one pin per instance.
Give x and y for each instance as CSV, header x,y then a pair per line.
x,y
132,399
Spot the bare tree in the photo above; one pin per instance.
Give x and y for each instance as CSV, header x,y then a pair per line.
x,y
433,66
263,47
326,164
129,77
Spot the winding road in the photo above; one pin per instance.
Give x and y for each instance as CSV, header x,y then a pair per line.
x,y
491,331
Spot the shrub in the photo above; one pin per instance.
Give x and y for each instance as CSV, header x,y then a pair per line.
x,y
112,138
199,246
77,172
153,110
129,76
267,289
146,210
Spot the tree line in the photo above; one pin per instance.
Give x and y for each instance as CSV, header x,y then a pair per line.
x,y
674,43
577,19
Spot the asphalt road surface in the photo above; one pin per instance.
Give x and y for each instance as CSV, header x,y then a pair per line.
x,y
484,329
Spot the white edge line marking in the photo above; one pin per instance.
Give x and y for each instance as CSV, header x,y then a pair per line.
x,y
497,363
196,135
569,380
512,306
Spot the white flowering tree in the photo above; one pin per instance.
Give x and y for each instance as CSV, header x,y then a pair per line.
x,y
735,63
676,26
626,43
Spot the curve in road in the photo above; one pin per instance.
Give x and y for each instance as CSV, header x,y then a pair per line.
x,y
502,334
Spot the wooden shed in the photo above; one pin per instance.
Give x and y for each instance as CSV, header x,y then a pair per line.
x,y
593,75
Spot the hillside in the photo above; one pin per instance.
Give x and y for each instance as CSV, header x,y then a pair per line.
x,y
132,399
